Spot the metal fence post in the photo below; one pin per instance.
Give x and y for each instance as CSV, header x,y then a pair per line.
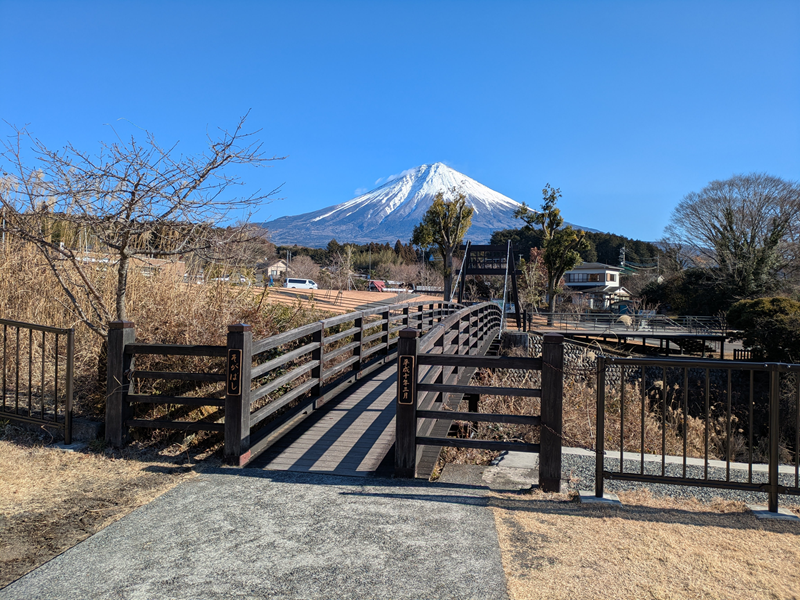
x,y
70,382
120,334
237,397
774,436
600,421
552,390
405,455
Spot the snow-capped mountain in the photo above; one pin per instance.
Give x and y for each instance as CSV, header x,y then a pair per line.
x,y
390,212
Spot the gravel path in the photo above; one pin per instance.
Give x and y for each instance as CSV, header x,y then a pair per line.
x,y
581,470
260,534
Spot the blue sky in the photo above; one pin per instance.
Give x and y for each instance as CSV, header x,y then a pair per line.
x,y
626,106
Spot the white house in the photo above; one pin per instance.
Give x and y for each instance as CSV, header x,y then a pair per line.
x,y
598,282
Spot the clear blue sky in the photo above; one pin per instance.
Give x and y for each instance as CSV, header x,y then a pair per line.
x,y
626,106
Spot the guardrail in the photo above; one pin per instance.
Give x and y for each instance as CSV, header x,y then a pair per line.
x,y
24,398
269,384
433,377
738,406
630,322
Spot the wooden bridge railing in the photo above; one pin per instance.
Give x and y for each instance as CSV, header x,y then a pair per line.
x,y
442,363
270,384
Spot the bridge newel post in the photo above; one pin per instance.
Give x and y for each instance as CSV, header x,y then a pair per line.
x,y
420,310
118,366
405,446
237,394
405,317
552,397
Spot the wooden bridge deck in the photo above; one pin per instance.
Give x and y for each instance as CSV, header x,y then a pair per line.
x,y
350,435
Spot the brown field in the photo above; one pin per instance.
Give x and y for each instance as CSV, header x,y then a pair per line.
x,y
335,302
553,548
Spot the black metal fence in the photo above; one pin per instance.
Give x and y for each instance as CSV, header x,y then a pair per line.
x,y
37,378
708,423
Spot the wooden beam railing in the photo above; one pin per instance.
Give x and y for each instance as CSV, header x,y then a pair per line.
x,y
441,364
269,384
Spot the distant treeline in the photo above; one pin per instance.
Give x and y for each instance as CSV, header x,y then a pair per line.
x,y
364,255
603,247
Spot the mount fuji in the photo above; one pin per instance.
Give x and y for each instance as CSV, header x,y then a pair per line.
x,y
390,211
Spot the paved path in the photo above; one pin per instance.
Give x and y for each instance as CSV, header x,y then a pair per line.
x,y
267,534
350,435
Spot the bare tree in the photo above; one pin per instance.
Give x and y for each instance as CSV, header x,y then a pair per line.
x,y
742,231
303,267
132,200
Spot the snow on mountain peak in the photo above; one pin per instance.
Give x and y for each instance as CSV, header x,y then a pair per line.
x,y
390,211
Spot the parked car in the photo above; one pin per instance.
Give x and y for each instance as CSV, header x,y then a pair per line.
x,y
301,284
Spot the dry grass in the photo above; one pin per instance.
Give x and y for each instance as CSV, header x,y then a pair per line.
x,y
163,308
50,499
650,548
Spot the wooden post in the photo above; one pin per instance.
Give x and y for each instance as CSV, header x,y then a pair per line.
x,y
118,383
405,317
359,337
237,398
318,337
405,446
385,330
420,308
552,391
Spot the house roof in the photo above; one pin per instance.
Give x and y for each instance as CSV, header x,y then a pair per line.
x,y
595,266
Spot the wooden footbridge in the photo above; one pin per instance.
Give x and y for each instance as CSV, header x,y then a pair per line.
x,y
326,397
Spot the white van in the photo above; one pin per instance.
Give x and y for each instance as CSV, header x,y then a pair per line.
x,y
301,284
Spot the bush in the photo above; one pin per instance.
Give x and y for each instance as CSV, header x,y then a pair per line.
x,y
770,327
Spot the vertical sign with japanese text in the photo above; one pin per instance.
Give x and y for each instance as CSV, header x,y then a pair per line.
x,y
406,384
234,378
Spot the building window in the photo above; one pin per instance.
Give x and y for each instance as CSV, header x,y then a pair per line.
x,y
611,276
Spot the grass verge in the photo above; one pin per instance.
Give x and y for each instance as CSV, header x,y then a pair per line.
x,y
652,547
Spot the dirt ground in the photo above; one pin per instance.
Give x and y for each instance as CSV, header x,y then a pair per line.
x,y
348,301
51,499
656,548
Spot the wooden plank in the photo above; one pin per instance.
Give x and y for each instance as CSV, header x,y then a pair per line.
x,y
268,366
284,338
373,349
175,350
213,377
484,362
477,444
329,339
341,366
339,351
481,389
180,425
274,406
372,337
181,400
482,417
259,393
